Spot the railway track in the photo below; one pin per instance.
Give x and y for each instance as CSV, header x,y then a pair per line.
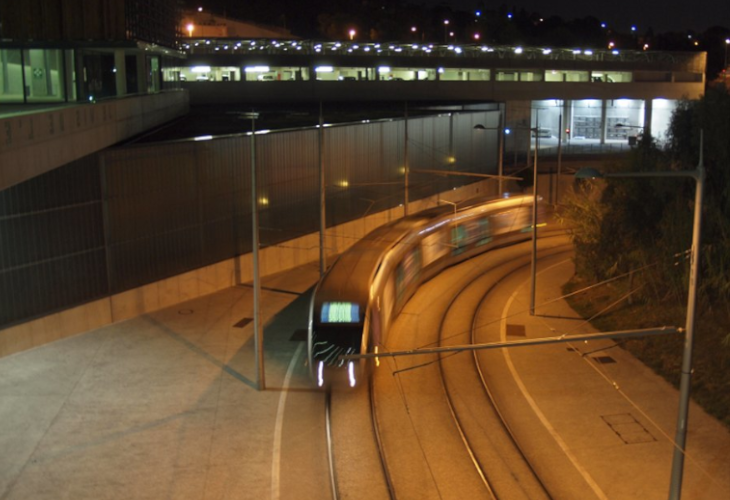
x,y
416,436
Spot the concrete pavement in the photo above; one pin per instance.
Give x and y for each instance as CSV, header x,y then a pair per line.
x,y
165,406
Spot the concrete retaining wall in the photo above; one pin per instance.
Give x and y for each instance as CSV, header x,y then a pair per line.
x,y
209,279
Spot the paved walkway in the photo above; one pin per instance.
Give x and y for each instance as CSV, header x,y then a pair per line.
x,y
165,406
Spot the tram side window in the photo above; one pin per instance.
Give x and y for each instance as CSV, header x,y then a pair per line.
x,y
407,271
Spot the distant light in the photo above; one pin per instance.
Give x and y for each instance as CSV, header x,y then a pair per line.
x,y
611,45
509,15
253,69
352,34
603,25
200,69
588,52
477,36
324,69
413,29
478,13
200,9
507,131
576,51
546,51
263,201
262,132
457,50
614,52
518,50
633,28
203,138
446,22
383,69
440,70
646,46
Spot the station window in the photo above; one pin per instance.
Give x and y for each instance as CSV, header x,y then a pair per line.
x,y
611,76
465,74
554,75
11,77
43,70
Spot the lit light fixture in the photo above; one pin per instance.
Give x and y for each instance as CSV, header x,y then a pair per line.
x,y
254,69
352,34
203,138
588,52
518,50
324,69
546,51
200,69
190,27
383,69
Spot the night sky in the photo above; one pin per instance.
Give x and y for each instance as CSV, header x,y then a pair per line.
x,y
661,15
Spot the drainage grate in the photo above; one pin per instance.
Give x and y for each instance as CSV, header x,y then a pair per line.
x,y
243,323
628,429
516,330
604,360
299,335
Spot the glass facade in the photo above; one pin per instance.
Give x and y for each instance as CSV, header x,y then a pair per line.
x,y
50,75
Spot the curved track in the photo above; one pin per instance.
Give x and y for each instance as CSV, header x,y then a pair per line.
x,y
442,434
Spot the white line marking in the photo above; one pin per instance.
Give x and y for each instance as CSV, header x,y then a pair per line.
x,y
563,446
278,427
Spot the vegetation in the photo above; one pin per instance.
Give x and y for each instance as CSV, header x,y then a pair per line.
x,y
642,228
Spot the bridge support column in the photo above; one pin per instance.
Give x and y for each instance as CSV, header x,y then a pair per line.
x,y
603,121
120,72
647,116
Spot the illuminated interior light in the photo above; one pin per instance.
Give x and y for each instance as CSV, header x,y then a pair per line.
x,y
351,373
324,69
457,50
203,138
614,52
441,70
263,201
588,52
344,184
518,50
383,69
320,374
546,51
576,51
256,69
264,131
200,69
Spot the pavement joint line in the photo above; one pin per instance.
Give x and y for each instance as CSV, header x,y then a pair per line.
x,y
276,290
533,404
278,427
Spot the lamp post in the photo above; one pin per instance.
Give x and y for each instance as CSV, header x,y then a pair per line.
x,y
675,488
258,332
446,29
727,43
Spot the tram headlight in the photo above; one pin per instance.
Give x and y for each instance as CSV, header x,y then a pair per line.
x,y
351,373
320,374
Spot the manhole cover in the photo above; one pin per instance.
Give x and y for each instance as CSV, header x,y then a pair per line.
x,y
516,330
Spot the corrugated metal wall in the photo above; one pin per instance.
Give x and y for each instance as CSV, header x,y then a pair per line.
x,y
134,215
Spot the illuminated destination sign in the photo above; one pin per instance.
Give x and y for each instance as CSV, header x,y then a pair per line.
x,y
340,312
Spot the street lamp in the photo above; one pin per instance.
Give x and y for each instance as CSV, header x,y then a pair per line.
x,y
446,28
680,439
352,34
727,43
500,149
190,27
